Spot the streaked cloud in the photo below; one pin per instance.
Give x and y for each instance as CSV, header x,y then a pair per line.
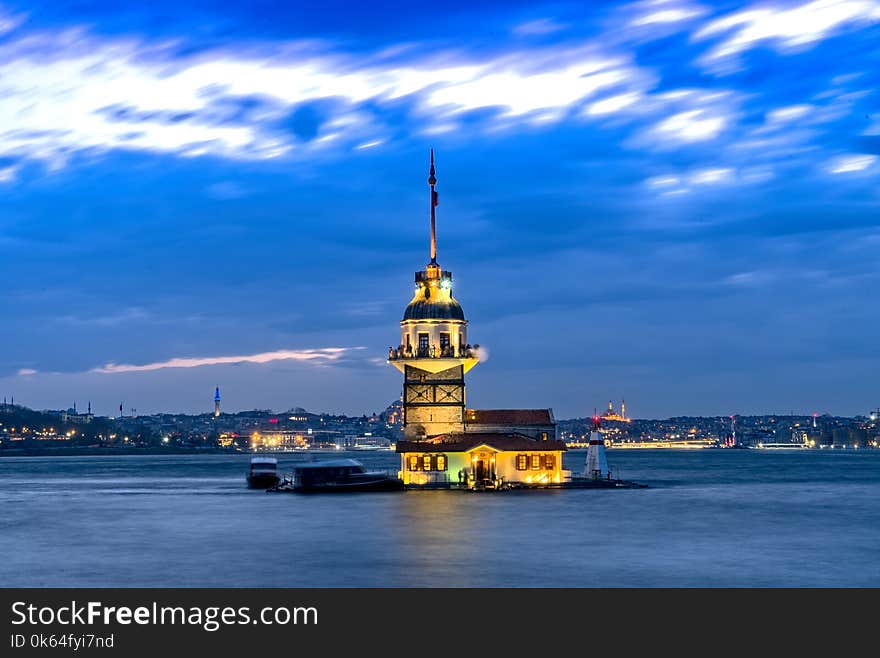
x,y
711,176
368,145
789,113
8,174
9,22
851,163
691,126
613,104
519,92
664,181
664,12
317,356
320,355
784,27
71,91
539,26
748,279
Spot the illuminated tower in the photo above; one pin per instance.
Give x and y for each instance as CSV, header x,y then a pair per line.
x,y
217,402
433,353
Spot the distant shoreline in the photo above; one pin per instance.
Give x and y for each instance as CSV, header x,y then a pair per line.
x,y
77,452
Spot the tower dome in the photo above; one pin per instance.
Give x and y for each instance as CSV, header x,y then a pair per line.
x,y
433,299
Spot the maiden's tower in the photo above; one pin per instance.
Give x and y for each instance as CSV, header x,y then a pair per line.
x,y
446,443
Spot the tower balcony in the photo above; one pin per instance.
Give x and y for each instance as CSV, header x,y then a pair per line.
x,y
434,358
427,275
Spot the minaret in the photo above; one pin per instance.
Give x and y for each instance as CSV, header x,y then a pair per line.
x,y
217,402
433,353
623,409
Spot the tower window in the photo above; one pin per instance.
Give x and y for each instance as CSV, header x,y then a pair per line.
x,y
445,345
423,345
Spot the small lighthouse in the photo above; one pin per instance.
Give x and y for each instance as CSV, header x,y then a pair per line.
x,y
217,402
596,466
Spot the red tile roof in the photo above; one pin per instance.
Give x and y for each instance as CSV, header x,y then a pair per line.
x,y
462,442
509,417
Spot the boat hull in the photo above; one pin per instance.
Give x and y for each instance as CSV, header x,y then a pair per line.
x,y
262,480
356,486
384,484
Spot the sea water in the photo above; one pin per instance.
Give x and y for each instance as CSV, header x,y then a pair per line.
x,y
714,518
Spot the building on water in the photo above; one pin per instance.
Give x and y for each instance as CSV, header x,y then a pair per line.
x,y
445,443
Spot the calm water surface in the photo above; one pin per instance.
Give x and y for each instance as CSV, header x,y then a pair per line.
x,y
710,518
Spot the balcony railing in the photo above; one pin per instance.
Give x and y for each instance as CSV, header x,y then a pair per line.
x,y
423,276
432,352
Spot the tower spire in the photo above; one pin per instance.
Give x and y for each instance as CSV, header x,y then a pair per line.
x,y
432,181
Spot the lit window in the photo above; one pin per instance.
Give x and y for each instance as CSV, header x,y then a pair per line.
x,y
414,463
536,462
522,462
543,436
441,462
549,462
426,462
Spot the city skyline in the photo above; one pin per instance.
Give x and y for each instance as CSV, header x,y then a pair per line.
x,y
682,213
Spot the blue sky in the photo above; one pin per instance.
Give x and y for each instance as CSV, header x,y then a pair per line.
x,y
672,202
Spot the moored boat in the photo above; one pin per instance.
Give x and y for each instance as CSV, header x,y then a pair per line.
x,y
338,475
263,473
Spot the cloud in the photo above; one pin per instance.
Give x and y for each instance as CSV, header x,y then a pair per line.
x,y
789,113
710,176
8,22
748,279
368,145
850,163
320,355
664,182
8,174
665,12
691,126
613,104
786,28
71,91
539,27
519,91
